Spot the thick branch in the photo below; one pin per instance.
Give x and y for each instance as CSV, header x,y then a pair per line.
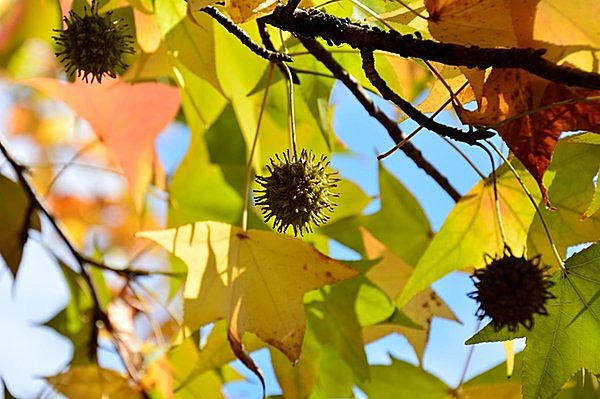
x,y
313,23
368,63
392,127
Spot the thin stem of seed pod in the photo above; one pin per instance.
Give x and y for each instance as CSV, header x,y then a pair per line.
x,y
464,156
561,263
463,374
253,149
496,199
291,114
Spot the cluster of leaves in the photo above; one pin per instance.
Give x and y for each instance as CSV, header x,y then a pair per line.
x,y
258,288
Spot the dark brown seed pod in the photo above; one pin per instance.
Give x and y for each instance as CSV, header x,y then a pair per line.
x,y
511,290
93,44
297,192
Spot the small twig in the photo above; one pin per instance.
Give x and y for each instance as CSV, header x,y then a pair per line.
x,y
243,37
266,41
37,202
392,128
368,63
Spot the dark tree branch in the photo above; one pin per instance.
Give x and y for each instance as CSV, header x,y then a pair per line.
x,y
471,138
313,23
37,202
243,37
392,128
266,40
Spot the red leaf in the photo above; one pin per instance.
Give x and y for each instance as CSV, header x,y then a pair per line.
x,y
126,117
528,114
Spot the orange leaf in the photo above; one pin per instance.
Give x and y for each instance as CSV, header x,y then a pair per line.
x,y
534,125
515,103
126,117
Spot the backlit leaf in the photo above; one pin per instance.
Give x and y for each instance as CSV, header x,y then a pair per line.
x,y
17,216
472,223
566,340
255,280
126,117
93,382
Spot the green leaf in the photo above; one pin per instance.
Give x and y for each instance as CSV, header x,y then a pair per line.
x,y
471,228
17,216
192,44
567,339
191,381
489,334
74,321
401,224
403,380
199,189
595,203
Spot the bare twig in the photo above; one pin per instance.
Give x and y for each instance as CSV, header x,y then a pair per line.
x,y
471,138
392,128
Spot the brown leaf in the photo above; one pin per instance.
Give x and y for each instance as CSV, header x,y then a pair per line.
x,y
530,114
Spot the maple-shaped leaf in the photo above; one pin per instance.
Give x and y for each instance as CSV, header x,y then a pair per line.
x,y
531,128
391,274
530,113
92,381
17,216
472,223
256,280
568,339
126,117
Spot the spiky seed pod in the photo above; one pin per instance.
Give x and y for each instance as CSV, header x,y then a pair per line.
x,y
297,192
511,290
93,44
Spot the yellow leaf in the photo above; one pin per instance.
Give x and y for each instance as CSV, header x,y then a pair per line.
x,y
245,10
93,382
256,280
391,274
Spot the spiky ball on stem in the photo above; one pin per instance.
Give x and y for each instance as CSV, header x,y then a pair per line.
x,y
93,44
511,290
297,192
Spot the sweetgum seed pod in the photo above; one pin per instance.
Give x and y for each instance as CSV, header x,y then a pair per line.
x,y
93,44
297,192
511,290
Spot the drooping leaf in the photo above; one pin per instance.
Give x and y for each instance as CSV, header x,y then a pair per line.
x,y
255,280
567,339
472,223
17,216
92,381
126,117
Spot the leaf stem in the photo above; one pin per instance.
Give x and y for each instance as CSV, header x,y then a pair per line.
x,y
496,199
291,114
253,149
561,262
